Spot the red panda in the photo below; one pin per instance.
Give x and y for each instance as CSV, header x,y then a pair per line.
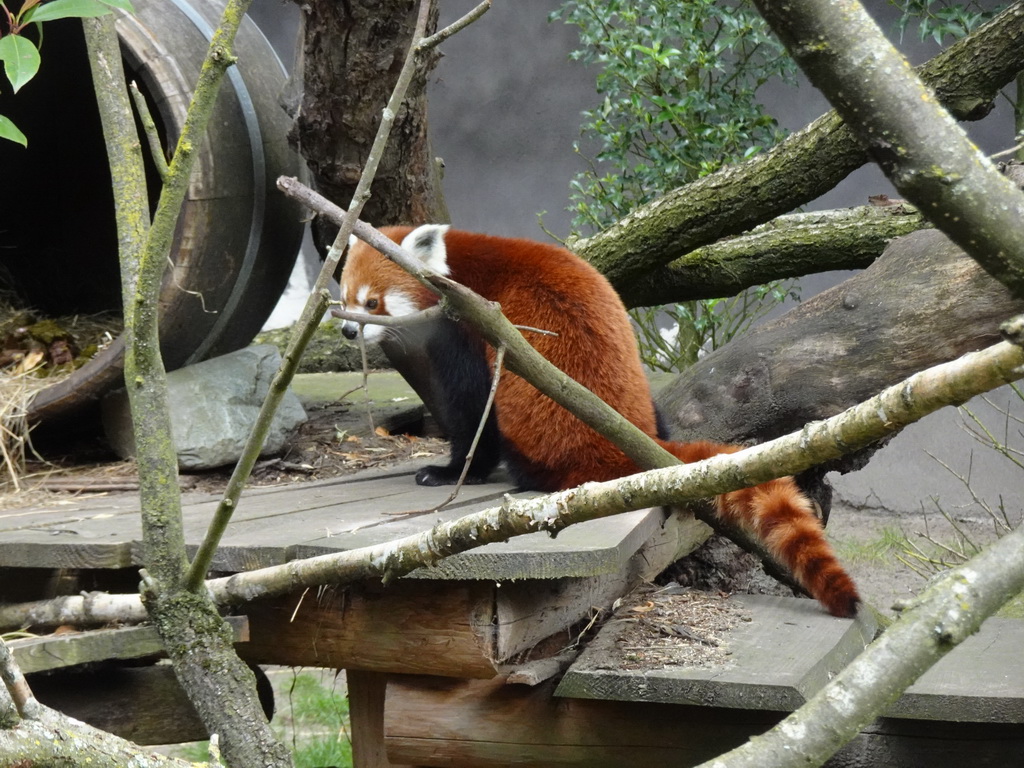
x,y
544,446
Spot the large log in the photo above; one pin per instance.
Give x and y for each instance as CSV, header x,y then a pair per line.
x,y
921,303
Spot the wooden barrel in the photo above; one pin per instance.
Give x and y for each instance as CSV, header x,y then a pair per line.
x,y
236,238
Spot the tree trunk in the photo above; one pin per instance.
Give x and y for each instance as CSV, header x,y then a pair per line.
x,y
921,303
353,52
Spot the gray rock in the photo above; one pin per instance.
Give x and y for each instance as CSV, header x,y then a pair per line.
x,y
213,407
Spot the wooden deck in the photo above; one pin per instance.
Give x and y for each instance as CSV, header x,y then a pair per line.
x,y
428,655
276,524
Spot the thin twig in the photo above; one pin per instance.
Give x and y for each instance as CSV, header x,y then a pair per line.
x,y
366,379
531,329
311,315
390,321
499,357
457,26
28,707
173,270
156,152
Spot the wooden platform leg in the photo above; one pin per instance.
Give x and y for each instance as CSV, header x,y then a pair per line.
x,y
366,713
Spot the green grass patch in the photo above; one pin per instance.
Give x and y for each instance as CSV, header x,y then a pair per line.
x,y
318,734
312,719
883,548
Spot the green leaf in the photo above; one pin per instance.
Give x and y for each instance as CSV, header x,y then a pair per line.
x,y
9,130
67,9
21,59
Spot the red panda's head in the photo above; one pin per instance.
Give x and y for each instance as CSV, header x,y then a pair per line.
x,y
372,284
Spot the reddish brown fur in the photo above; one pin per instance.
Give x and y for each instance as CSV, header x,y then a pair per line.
x,y
543,286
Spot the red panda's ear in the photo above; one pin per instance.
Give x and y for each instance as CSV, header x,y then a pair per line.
x,y
426,243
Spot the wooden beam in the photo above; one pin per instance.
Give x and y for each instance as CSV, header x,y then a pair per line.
x,y
441,722
144,704
529,611
412,626
366,713
486,724
37,654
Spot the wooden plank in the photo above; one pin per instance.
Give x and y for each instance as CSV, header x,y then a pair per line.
x,y
591,548
375,523
270,523
340,526
48,652
979,681
64,549
145,705
256,505
269,511
787,650
529,611
482,723
71,509
366,719
409,626
586,549
486,724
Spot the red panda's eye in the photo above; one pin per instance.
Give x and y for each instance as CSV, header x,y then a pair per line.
x,y
371,303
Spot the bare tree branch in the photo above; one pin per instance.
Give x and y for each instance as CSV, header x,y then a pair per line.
x,y
967,76
17,686
947,384
913,139
789,246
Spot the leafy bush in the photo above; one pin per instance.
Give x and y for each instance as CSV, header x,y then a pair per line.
x,y
678,84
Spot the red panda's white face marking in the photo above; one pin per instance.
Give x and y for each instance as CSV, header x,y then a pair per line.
x,y
371,300
372,285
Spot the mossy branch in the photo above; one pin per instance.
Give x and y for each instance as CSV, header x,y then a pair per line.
x,y
319,298
904,129
789,246
967,77
145,380
193,633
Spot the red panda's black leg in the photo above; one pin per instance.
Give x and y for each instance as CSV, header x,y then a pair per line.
x,y
461,380
661,424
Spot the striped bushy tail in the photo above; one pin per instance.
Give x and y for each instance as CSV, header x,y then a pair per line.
x,y
780,516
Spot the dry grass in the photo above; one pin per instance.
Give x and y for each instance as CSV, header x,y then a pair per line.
x,y
16,392
20,382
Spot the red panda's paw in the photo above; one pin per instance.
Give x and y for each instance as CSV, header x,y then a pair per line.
x,y
434,475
